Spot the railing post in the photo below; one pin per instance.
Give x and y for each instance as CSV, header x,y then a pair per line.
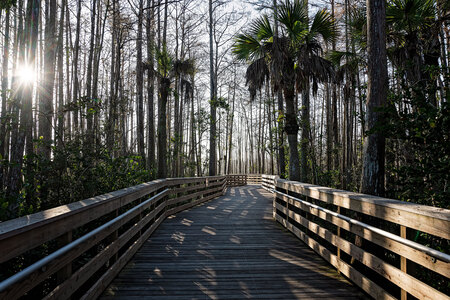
x,y
66,271
274,202
287,209
403,263
111,239
338,251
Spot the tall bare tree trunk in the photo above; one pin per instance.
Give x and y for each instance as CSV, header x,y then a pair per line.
x,y
230,133
111,121
59,133
374,144
90,109
213,98
76,83
4,98
25,130
140,84
150,86
46,92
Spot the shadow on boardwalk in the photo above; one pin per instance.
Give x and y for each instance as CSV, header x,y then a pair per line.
x,y
228,248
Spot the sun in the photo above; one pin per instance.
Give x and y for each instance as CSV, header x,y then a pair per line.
x,y
26,74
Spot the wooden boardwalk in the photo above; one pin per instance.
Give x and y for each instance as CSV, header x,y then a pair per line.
x,y
228,248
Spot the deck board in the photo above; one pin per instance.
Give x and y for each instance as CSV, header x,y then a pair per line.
x,y
228,248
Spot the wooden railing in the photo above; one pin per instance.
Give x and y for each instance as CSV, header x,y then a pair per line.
x,y
254,179
236,179
382,260
77,249
269,181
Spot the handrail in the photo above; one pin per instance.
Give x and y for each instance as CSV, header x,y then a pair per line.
x,y
314,223
430,251
137,222
61,251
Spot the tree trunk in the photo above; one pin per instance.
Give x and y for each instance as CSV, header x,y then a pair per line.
x,y
4,99
162,132
90,101
213,96
46,92
305,134
374,144
150,86
110,126
59,134
25,130
75,71
291,128
140,84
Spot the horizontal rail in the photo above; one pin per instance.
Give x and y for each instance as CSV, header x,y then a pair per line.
x,y
430,251
136,211
315,223
61,251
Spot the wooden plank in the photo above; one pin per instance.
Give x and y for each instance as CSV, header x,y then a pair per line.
x,y
66,289
109,275
188,188
403,250
403,263
396,276
225,248
428,219
356,277
15,291
25,233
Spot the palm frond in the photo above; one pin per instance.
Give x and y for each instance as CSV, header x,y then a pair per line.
x,y
165,61
184,67
247,47
315,68
257,74
293,15
336,57
261,28
410,15
186,85
323,25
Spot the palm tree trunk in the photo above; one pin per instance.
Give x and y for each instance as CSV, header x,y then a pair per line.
x,y
162,132
305,134
291,129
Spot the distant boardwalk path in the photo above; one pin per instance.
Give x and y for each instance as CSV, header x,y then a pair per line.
x,y
228,248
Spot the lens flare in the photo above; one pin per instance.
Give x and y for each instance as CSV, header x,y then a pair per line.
x,y
26,74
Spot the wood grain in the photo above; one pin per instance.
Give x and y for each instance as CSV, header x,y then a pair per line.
x,y
228,248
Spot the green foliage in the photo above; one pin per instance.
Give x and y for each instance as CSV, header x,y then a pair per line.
x,y
410,15
76,172
7,4
418,164
165,62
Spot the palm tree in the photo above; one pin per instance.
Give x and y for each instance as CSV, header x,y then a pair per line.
x,y
168,69
414,33
290,63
